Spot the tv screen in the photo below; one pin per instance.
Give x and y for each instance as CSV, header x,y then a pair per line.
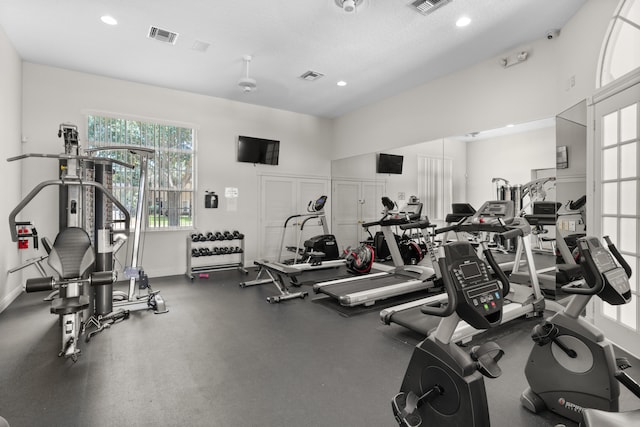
x,y
258,150
389,163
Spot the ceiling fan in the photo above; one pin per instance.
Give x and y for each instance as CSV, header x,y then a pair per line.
x,y
246,83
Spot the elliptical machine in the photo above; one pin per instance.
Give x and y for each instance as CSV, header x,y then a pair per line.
x,y
444,385
572,366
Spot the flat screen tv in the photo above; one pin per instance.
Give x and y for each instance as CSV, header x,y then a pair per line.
x,y
389,163
258,150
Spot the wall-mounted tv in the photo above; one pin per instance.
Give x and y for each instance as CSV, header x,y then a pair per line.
x,y
258,150
389,163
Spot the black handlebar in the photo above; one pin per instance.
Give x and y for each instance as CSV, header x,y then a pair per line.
x,y
450,290
510,234
506,286
590,267
415,224
618,257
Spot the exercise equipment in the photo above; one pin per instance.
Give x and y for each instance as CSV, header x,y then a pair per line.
x,y
73,259
544,215
86,203
572,366
444,384
493,217
401,279
318,252
278,274
310,248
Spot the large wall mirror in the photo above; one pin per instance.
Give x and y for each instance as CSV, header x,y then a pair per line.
x,y
459,169
571,174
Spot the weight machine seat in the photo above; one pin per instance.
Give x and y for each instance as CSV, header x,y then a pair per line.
x,y
595,417
72,256
69,305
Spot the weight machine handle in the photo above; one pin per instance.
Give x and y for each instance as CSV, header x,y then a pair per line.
x,y
450,290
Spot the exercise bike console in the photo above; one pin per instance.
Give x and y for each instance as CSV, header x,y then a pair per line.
x,y
481,297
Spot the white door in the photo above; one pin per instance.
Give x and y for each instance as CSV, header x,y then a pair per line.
x,y
616,204
280,198
354,203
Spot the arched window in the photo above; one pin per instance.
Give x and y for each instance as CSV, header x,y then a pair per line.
x,y
621,53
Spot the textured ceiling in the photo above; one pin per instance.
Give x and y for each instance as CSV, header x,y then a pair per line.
x,y
386,47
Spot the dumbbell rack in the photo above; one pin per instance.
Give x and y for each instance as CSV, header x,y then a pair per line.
x,y
224,263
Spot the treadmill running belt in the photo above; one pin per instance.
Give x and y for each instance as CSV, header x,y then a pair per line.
x,y
346,288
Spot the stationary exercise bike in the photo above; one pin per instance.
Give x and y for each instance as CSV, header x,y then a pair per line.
x,y
444,385
572,366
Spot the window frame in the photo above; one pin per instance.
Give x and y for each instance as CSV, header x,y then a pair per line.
x,y
153,222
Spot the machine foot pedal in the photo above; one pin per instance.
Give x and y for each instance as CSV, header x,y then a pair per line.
x,y
404,407
486,357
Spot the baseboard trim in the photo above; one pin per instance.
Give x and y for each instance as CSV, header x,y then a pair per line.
x,y
9,298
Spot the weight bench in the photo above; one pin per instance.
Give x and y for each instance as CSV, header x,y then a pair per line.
x,y
278,274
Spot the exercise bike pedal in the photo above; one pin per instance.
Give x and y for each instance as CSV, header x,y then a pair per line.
x,y
486,357
404,407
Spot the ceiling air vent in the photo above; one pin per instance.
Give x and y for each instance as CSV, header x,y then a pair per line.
x,y
163,35
426,7
311,75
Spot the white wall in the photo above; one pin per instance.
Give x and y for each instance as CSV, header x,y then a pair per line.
x,y
10,123
485,96
53,96
511,157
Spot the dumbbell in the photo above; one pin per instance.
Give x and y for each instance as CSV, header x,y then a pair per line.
x,y
238,250
210,236
219,236
228,235
194,237
203,251
202,237
195,252
238,235
216,251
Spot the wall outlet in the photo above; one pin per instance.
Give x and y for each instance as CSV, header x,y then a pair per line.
x,y
572,226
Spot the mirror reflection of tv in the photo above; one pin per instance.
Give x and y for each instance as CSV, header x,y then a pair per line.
x,y
258,150
389,163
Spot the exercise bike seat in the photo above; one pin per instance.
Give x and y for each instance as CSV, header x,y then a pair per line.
x,y
596,417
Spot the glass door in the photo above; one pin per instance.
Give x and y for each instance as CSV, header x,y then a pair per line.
x,y
617,203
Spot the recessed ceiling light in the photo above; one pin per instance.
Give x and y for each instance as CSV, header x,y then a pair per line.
x,y
463,21
341,83
109,20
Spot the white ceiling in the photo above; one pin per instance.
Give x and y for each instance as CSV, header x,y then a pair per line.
x,y
384,48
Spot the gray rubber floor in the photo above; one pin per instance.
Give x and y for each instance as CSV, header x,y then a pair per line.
x,y
223,356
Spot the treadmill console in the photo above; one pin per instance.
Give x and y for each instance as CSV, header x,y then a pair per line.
x,y
480,297
493,210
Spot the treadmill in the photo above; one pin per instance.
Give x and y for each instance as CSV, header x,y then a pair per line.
x,y
402,279
544,214
522,300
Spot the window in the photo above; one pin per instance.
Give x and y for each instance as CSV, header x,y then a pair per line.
x,y
620,53
435,186
170,189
